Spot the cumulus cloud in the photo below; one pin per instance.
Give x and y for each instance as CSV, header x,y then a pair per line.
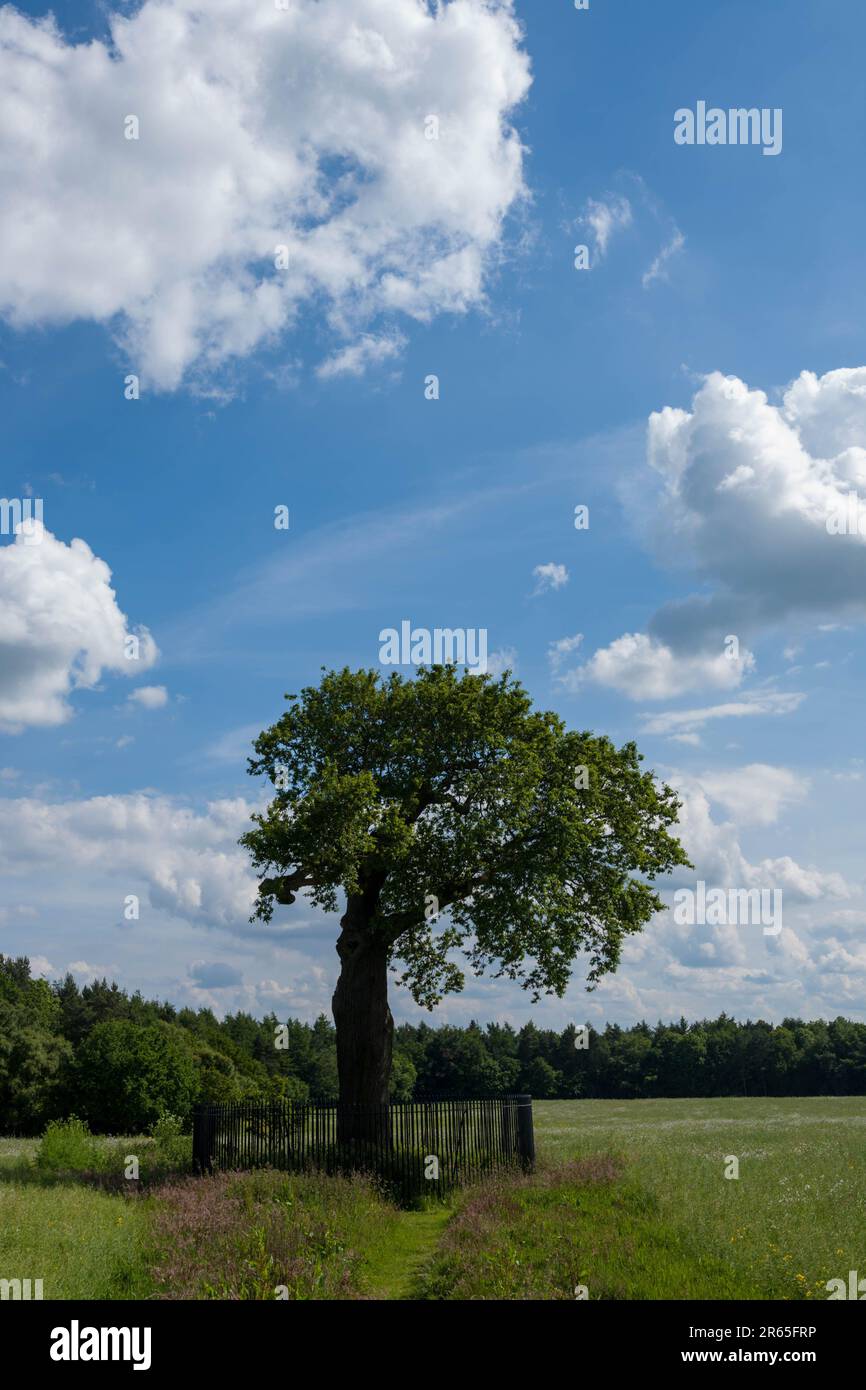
x,y
559,650
41,968
749,493
550,576
646,669
150,696
84,970
215,974
756,794
282,159
189,862
714,847
750,487
60,628
504,659
354,360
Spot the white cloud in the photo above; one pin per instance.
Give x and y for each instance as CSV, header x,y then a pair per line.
x,y
646,669
714,849
368,351
604,217
754,795
191,864
657,270
505,659
259,128
85,971
687,720
150,696
41,968
215,974
60,628
550,576
559,650
747,489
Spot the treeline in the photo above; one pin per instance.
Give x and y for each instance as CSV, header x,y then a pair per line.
x,y
119,1061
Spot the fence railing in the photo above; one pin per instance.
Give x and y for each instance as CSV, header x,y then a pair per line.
x,y
417,1146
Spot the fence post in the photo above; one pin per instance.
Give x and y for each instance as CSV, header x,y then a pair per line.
x,y
201,1140
525,1133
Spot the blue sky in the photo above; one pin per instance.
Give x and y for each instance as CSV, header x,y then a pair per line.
x,y
704,523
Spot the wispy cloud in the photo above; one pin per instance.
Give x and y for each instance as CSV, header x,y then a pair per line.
x,y
604,217
682,721
657,270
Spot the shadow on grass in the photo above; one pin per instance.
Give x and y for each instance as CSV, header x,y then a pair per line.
x,y
27,1174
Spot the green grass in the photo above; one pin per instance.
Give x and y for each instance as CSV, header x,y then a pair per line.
x,y
581,1229
794,1218
82,1243
81,1240
395,1269
16,1153
247,1236
629,1200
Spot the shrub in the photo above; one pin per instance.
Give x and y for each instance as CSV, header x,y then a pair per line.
x,y
67,1145
173,1147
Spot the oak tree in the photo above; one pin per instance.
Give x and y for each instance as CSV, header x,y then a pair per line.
x,y
447,817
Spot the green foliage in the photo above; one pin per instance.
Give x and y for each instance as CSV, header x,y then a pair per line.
x,y
68,1146
129,1076
403,1077
33,1052
236,1059
172,1143
398,791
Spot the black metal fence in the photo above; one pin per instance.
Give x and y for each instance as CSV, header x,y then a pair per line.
x,y
415,1147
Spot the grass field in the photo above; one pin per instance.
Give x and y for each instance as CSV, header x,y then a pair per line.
x,y
82,1243
794,1218
629,1201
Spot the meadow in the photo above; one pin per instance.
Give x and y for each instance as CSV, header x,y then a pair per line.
x,y
629,1200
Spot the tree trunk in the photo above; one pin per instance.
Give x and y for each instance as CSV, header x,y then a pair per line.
x,y
365,1031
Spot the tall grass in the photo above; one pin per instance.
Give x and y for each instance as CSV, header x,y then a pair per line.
x,y
580,1229
81,1242
793,1219
267,1235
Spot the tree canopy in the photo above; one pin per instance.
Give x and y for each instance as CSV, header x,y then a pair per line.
x,y
449,792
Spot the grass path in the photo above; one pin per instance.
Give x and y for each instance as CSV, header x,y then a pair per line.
x,y
393,1272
